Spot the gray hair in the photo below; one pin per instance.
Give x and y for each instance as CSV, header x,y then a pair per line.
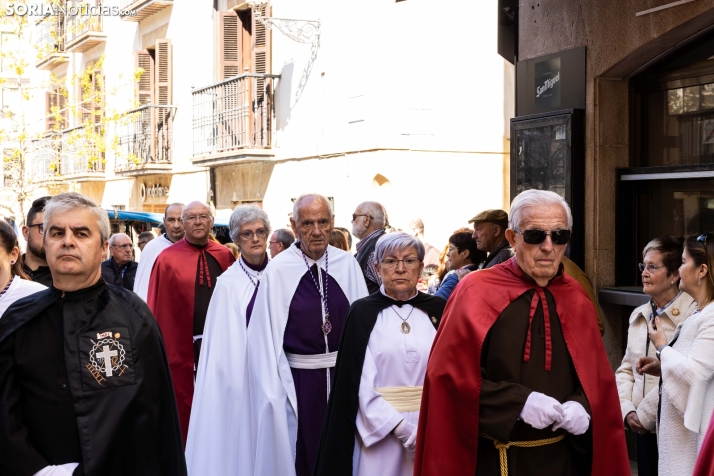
x,y
418,225
377,212
536,198
73,200
284,236
243,214
390,243
113,238
314,196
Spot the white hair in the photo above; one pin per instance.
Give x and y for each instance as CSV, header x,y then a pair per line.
x,y
113,238
536,198
390,243
314,196
72,201
243,214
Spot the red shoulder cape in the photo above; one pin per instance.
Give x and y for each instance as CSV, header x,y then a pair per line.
x,y
705,461
447,440
171,300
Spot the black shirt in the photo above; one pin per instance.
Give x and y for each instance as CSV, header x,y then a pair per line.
x,y
41,275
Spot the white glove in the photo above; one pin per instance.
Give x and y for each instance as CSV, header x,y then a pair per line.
x,y
576,419
407,433
541,411
62,470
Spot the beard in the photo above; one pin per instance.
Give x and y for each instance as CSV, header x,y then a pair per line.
x,y
37,250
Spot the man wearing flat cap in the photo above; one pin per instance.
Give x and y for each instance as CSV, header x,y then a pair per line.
x,y
490,235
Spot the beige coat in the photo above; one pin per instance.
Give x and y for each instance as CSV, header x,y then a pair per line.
x,y
632,386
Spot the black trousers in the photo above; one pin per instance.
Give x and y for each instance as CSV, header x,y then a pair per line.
x,y
647,454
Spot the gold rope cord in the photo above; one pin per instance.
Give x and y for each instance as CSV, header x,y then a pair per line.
x,y
503,447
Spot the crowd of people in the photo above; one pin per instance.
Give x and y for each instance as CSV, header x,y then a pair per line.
x,y
285,354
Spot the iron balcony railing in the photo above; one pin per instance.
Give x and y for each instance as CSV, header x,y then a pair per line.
x,y
49,37
78,155
233,114
44,159
146,136
80,21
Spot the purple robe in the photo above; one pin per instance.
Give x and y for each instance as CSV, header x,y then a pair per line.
x,y
303,335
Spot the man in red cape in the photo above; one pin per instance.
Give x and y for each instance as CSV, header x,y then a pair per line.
x,y
705,460
182,281
508,391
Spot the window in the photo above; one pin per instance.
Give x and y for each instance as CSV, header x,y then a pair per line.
x,y
91,94
243,44
56,110
155,84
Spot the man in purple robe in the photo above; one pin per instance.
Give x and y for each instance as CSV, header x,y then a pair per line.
x,y
292,345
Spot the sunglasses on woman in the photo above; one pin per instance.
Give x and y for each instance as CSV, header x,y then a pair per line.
x,y
536,237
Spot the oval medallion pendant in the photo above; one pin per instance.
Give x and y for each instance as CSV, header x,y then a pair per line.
x,y
406,327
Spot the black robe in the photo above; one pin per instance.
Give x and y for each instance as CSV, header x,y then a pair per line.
x,y
337,442
59,402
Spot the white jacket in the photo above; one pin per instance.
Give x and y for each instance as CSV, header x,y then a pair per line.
x,y
631,386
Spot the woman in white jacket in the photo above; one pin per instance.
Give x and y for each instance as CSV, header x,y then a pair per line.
x,y
661,259
14,283
686,364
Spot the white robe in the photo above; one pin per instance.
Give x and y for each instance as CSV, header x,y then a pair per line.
x,y
146,264
687,394
392,359
19,288
269,431
215,414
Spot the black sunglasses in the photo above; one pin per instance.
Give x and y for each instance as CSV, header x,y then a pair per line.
x,y
354,216
536,237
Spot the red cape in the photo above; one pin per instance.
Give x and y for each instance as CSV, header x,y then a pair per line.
x,y
705,461
171,300
447,440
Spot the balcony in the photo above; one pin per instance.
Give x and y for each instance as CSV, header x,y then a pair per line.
x,y
44,160
80,159
82,30
145,141
233,121
50,43
142,9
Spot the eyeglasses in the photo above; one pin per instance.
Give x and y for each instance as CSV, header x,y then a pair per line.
x,y
273,242
649,267
193,218
40,228
248,235
122,247
536,237
392,263
354,216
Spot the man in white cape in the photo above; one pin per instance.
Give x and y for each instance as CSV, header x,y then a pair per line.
x,y
292,346
174,232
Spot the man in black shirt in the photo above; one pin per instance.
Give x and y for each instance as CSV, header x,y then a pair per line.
x,y
120,269
85,387
34,262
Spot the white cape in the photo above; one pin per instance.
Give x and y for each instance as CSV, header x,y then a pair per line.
x,y
215,414
19,288
269,429
146,264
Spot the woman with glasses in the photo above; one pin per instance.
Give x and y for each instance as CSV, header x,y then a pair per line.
x,y
660,281
463,256
686,364
14,283
219,379
371,420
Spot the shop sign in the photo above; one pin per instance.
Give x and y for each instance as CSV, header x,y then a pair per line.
x,y
153,191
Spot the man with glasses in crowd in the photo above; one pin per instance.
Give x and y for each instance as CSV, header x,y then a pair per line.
x,y
537,390
173,233
294,332
181,285
34,261
368,222
120,268
280,241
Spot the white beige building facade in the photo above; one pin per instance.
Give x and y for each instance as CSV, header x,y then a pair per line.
x,y
400,102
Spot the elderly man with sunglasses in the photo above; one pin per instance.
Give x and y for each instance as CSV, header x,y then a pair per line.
x,y
368,223
518,381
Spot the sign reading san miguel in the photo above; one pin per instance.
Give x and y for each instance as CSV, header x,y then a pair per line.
x,y
547,77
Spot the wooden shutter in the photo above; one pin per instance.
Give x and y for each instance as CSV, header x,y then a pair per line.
x,y
92,97
260,51
230,45
163,72
145,85
50,102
